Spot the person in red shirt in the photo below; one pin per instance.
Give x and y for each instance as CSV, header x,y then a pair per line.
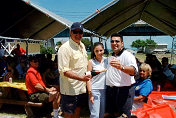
x,y
18,51
37,90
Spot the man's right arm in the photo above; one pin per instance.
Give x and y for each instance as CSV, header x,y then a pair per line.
x,y
34,81
72,75
39,87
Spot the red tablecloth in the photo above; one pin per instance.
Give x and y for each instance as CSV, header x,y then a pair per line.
x,y
156,98
157,107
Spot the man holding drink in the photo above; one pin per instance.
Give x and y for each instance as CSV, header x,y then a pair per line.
x,y
120,79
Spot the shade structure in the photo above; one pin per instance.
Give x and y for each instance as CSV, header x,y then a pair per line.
x,y
161,14
138,29
23,19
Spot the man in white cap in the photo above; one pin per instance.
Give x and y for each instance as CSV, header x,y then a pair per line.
x,y
72,65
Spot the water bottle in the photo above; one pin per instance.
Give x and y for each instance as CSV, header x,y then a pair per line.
x,y
10,80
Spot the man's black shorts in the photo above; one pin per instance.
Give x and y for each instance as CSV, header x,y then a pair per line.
x,y
70,103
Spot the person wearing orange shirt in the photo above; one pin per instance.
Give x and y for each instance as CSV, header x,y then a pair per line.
x,y
37,90
18,51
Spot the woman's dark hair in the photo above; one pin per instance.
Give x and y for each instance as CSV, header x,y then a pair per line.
x,y
95,45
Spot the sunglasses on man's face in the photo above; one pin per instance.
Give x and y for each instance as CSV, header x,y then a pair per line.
x,y
112,41
76,32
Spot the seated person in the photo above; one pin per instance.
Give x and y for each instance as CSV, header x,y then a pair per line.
x,y
51,77
20,70
37,90
166,69
3,68
168,75
11,70
143,86
173,69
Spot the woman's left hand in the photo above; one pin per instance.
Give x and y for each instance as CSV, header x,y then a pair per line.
x,y
91,98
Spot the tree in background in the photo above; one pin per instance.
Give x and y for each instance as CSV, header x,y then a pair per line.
x,y
47,50
141,44
150,43
59,43
87,43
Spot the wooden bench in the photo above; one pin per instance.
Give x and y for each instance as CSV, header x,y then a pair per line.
x,y
27,105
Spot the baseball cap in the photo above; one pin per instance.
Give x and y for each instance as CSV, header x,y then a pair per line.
x,y
77,25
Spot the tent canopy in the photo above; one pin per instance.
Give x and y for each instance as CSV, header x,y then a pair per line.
x,y
141,29
136,29
23,19
161,14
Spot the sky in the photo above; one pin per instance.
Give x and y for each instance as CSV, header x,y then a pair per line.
x,y
73,10
77,10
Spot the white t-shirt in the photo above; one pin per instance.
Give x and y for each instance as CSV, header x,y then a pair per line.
x,y
98,81
115,77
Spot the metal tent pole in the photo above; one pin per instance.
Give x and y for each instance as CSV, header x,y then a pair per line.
x,y
107,52
172,51
27,46
91,39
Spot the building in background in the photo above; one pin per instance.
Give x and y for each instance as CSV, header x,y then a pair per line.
x,y
160,48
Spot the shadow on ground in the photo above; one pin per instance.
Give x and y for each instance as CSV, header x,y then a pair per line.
x,y
17,111
12,110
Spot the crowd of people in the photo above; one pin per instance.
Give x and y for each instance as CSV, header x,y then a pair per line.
x,y
40,73
112,86
13,67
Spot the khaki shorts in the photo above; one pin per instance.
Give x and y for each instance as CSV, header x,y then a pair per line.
x,y
39,97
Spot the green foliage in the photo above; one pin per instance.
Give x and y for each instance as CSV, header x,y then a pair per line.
x,y
141,44
86,42
50,50
151,43
42,49
47,50
59,43
138,43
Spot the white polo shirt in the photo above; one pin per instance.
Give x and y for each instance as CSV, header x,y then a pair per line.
x,y
115,77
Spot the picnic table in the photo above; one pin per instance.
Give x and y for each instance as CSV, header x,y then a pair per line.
x,y
20,98
17,85
160,104
156,97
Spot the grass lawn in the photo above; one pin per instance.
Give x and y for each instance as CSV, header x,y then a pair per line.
x,y
142,57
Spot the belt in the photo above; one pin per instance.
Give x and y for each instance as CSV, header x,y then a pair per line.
x,y
120,86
